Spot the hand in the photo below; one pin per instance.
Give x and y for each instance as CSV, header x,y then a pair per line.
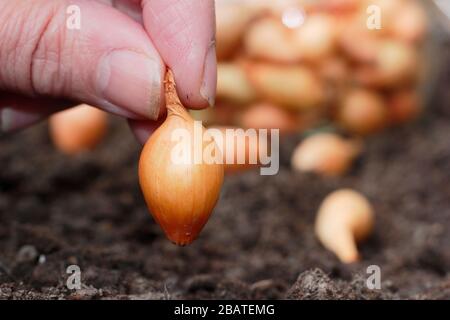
x,y
115,60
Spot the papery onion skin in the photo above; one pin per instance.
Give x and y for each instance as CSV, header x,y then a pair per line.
x,y
180,196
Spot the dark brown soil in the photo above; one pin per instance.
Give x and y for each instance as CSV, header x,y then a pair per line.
x,y
259,244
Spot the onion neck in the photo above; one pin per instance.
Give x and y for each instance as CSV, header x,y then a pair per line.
x,y
173,103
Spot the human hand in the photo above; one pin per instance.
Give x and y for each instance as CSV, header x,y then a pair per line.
x,y
115,60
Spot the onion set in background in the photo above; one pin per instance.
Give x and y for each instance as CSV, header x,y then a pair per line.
x,y
78,129
320,57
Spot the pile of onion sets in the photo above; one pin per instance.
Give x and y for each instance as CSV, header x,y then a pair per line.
x,y
179,194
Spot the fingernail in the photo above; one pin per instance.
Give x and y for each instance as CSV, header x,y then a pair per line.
x,y
208,88
131,80
12,119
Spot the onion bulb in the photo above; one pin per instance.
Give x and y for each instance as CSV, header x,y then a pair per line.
x,y
180,191
357,43
268,39
362,112
344,219
316,38
325,153
269,116
404,106
334,6
232,84
396,62
78,129
231,21
235,143
293,87
334,70
389,9
410,23
271,7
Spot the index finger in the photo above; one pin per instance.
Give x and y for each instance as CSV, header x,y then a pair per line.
x,y
183,32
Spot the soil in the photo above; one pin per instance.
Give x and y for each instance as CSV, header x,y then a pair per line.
x,y
87,210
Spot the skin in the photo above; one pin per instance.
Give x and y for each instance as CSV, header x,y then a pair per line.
x,y
116,60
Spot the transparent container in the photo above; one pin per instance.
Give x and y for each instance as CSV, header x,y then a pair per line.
x,y
357,65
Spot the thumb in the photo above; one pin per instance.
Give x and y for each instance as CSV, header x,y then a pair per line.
x,y
81,50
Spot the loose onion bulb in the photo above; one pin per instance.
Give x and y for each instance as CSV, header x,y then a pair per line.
x,y
345,218
180,194
78,129
325,153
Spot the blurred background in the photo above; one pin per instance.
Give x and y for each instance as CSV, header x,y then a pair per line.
x,y
360,92
360,66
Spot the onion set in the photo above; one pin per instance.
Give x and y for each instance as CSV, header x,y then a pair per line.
x,y
325,154
345,218
180,191
78,129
